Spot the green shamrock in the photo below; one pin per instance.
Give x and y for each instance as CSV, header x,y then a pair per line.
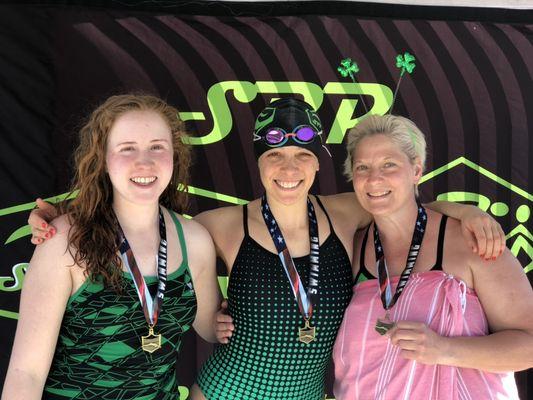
x,y
405,62
348,67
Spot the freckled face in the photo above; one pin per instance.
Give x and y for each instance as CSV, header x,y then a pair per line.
x,y
139,157
383,175
287,173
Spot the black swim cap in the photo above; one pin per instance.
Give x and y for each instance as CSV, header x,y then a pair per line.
x,y
287,115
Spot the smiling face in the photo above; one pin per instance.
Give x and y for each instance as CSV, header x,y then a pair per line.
x,y
383,176
139,157
287,173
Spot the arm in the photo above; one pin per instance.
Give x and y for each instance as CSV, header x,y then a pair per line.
x,y
227,241
203,268
346,210
215,221
482,233
47,287
507,299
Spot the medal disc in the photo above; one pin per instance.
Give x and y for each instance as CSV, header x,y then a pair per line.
x,y
307,334
151,342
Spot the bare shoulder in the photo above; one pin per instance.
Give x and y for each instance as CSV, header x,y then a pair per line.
x,y
62,224
454,240
458,258
345,208
57,246
200,247
214,220
194,231
53,261
226,228
341,200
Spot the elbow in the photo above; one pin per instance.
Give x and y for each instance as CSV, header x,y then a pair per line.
x,y
206,331
209,337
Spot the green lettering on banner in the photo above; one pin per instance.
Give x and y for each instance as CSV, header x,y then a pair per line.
x,y
13,284
343,121
312,93
481,201
216,100
520,239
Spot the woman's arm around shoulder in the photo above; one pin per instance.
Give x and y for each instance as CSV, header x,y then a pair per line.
x,y
483,234
201,257
46,290
344,208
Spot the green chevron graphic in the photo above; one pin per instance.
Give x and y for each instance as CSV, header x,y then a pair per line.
x,y
519,239
479,169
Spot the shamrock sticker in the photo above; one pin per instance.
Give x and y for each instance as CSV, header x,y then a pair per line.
x,y
348,67
405,62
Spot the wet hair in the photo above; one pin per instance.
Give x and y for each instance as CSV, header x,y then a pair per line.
x,y
400,130
93,234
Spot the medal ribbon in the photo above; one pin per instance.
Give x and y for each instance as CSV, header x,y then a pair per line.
x,y
383,274
151,307
305,299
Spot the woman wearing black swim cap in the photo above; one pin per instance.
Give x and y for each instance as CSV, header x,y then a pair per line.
x,y
288,255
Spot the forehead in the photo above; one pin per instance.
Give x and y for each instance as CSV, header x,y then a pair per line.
x,y
288,151
139,125
377,145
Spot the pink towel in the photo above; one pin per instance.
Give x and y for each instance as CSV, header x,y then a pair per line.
x,y
367,366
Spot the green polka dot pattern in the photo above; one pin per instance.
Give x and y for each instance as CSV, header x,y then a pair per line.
x,y
265,359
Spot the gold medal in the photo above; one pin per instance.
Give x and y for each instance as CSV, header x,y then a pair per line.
x,y
151,342
384,325
307,334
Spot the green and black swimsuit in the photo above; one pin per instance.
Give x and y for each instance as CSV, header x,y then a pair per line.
x,y
98,353
264,358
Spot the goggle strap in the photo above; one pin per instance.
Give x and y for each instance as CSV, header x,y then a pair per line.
x,y
327,151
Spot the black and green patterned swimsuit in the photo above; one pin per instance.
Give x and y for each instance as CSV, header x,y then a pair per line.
x,y
98,353
264,359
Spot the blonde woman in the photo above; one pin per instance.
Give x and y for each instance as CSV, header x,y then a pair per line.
x,y
428,318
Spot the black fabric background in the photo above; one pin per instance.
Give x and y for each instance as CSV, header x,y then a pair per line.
x,y
470,93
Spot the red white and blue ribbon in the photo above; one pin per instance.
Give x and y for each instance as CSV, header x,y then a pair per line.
x,y
306,299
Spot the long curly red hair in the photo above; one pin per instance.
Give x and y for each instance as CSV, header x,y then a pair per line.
x,y
93,233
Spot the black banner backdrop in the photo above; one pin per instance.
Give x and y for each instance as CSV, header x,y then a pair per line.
x,y
471,93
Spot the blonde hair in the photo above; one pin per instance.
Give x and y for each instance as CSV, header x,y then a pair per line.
x,y
400,130
93,238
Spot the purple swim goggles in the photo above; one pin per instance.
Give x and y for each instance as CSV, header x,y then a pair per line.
x,y
303,134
